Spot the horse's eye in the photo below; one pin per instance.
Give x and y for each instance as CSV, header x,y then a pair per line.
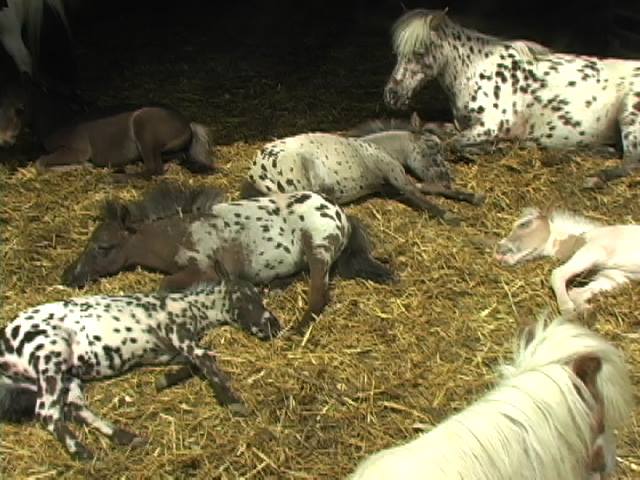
x,y
525,224
105,248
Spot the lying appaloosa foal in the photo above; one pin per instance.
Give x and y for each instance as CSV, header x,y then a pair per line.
x,y
48,351
609,250
370,158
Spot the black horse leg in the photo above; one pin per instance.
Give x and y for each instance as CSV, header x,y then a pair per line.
x,y
176,377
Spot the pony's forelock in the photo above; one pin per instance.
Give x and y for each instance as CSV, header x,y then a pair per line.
x,y
411,33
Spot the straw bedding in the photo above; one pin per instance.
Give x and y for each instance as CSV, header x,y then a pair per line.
x,y
381,363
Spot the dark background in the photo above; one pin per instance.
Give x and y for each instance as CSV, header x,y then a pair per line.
x,y
258,69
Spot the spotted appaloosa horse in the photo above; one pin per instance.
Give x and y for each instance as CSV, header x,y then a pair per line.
x,y
48,351
610,252
367,159
501,90
14,15
551,416
180,232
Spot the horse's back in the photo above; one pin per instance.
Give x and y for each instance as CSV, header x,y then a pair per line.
x,y
269,231
320,162
574,100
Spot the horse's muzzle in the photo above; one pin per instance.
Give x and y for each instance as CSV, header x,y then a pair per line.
x,y
74,277
394,99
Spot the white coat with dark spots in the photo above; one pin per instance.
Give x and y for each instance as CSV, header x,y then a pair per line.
x,y
345,168
47,352
185,232
520,90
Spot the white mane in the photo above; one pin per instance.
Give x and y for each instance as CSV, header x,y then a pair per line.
x,y
571,223
412,33
532,426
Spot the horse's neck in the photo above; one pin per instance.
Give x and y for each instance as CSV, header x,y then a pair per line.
x,y
460,50
202,309
563,225
156,244
393,143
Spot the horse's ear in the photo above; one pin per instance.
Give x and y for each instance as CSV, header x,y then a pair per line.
x,y
125,217
586,368
416,122
221,271
437,20
528,334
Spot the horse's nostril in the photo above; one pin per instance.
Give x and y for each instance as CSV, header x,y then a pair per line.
x,y
504,248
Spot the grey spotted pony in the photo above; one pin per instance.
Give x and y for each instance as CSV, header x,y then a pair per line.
x,y
182,232
47,352
365,160
519,90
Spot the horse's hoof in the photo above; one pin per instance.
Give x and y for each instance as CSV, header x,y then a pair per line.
x,y
40,166
478,199
593,183
238,409
161,383
82,453
126,438
451,219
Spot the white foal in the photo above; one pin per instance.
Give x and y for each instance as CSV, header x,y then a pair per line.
x,y
610,251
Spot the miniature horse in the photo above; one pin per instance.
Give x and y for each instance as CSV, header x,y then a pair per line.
x,y
611,251
48,351
180,232
368,158
550,417
518,90
110,138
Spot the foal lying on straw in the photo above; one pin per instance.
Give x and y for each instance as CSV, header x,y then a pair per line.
x,y
551,417
612,251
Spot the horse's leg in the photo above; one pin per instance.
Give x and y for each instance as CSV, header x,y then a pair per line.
x,y
184,372
319,260
397,177
183,339
583,260
11,38
316,180
630,133
144,134
51,396
176,377
603,281
474,141
76,408
187,277
451,194
65,158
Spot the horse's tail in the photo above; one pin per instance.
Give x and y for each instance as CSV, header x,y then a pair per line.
x,y
200,144
17,401
356,260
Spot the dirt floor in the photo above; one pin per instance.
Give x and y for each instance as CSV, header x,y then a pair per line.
x,y
383,362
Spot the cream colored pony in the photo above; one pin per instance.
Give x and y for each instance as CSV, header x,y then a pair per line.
x,y
550,417
612,251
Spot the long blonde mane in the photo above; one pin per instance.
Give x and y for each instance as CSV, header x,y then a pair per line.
x,y
533,426
411,34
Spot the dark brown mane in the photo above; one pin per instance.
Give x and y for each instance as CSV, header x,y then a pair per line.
x,y
166,200
378,126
